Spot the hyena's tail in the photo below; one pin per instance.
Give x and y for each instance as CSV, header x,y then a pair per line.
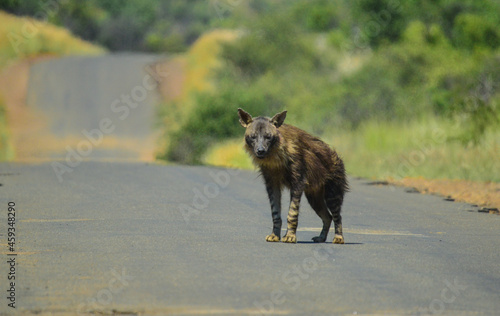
x,y
335,189
334,197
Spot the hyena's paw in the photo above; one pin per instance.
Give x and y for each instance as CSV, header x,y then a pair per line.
x,y
290,239
338,239
319,239
272,238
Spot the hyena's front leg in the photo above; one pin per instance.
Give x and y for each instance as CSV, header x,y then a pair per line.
x,y
293,215
274,193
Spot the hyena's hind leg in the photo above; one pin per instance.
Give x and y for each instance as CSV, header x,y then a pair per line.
x,y
334,196
317,202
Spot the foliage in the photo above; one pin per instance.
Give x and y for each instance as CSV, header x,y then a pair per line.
x,y
465,23
473,31
212,120
473,100
337,66
252,65
42,38
180,112
316,15
426,67
272,43
133,25
172,26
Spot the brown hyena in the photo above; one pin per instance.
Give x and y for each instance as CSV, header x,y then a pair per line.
x,y
286,156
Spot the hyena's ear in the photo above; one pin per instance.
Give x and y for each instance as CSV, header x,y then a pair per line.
x,y
245,118
278,119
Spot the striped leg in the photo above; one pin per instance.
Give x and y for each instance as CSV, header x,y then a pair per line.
x,y
334,199
274,193
317,202
293,216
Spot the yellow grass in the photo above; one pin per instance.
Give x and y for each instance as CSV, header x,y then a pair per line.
x,y
202,59
22,37
197,64
228,154
6,149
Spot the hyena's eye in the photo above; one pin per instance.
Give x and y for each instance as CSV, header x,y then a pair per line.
x,y
249,140
268,136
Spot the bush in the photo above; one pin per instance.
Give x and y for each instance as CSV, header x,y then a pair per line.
x,y
473,100
271,43
316,15
214,118
473,31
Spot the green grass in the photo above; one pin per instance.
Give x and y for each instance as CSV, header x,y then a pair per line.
x,y
417,149
397,150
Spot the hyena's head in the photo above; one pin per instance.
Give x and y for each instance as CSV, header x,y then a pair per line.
x,y
261,132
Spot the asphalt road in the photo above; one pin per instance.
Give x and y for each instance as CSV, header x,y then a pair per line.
x,y
84,97
129,238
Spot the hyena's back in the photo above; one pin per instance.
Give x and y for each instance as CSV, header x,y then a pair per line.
x,y
320,166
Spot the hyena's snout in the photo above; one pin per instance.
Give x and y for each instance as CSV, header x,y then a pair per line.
x,y
260,152
261,149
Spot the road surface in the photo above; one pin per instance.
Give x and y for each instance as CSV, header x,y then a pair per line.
x,y
139,238
78,97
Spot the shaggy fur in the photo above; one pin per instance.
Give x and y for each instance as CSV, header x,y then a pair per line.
x,y
287,156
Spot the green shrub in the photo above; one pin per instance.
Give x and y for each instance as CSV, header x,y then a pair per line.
x,y
316,15
214,118
270,43
473,31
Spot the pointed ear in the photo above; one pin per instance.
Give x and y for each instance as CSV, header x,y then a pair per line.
x,y
278,119
245,118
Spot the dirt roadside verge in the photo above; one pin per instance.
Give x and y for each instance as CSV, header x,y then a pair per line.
x,y
28,129
483,194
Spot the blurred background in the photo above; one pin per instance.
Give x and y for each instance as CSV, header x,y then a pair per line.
x,y
402,89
